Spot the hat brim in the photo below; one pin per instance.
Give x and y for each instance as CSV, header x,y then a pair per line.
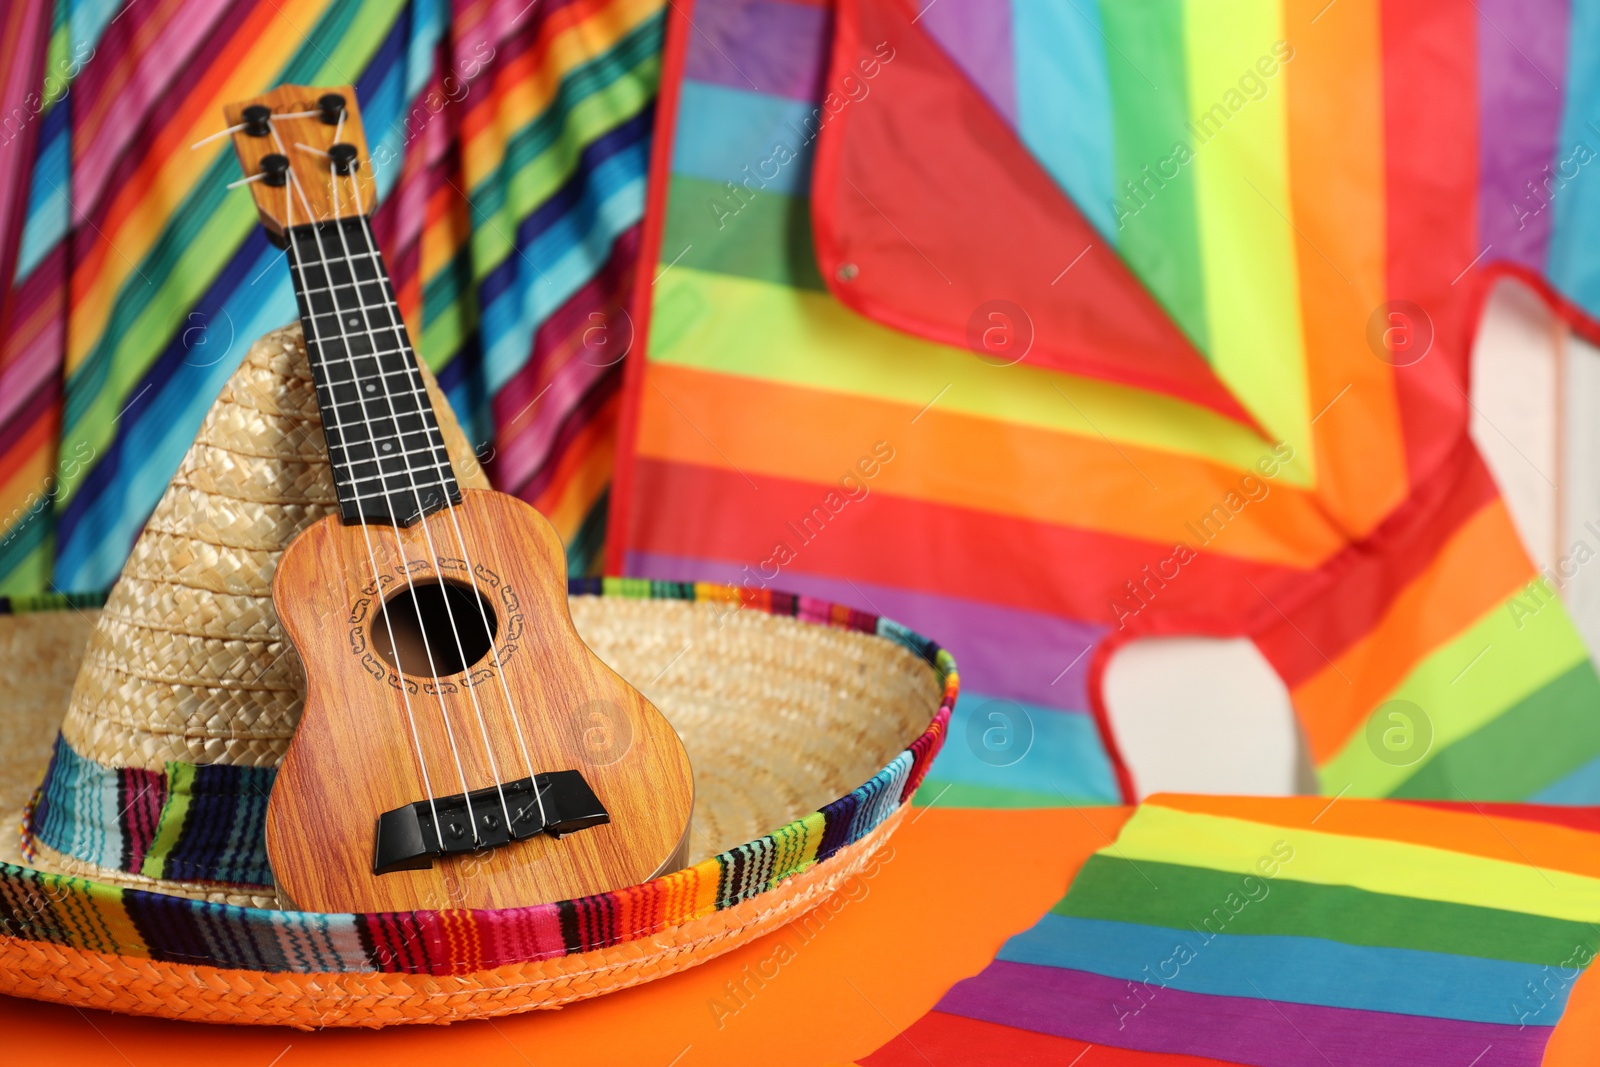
x,y
91,943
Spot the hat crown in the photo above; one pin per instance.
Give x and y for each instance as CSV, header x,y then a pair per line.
x,y
188,672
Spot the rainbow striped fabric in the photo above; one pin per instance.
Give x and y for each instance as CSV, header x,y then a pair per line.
x,y
1048,326
509,142
187,822
1292,933
191,838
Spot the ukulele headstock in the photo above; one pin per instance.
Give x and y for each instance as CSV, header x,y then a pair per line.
x,y
304,156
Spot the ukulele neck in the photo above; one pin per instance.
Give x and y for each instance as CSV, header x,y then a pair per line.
x,y
388,457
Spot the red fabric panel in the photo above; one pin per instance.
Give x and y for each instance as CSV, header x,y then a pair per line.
x,y
1587,819
1344,599
621,509
1430,102
927,196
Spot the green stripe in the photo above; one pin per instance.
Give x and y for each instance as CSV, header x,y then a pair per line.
x,y
139,323
1538,741
594,98
632,588
1149,102
1182,898
31,603
26,553
811,341
566,126
585,553
174,813
767,237
1462,687
357,29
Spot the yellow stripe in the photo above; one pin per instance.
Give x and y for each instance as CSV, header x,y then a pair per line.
x,y
585,483
705,321
1501,659
28,489
1164,835
1241,202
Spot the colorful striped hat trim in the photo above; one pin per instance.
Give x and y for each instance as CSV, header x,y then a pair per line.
x,y
200,821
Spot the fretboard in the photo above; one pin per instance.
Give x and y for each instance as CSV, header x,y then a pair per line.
x,y
389,460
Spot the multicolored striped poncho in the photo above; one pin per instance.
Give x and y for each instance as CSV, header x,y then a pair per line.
x,y
1047,326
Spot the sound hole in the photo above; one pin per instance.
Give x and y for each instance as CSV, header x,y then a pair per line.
x,y
416,622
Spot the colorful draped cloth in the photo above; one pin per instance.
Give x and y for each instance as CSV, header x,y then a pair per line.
x,y
1045,326
1292,933
509,142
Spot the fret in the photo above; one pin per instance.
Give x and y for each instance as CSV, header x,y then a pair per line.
x,y
387,429
349,297
394,462
339,272
376,418
389,459
375,319
385,505
360,344
369,369
411,399
371,389
395,488
364,444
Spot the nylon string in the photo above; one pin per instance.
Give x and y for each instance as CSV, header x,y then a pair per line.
x,y
416,491
366,535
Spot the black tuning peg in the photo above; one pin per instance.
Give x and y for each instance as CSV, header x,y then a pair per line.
x,y
275,169
257,120
343,156
329,107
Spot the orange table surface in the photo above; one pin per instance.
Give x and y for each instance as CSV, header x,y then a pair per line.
x,y
954,886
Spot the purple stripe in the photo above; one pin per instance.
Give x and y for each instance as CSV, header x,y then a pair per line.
x,y
1002,652
1522,74
1133,1015
22,370
977,35
764,46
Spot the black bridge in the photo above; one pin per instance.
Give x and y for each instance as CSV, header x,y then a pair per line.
x,y
410,840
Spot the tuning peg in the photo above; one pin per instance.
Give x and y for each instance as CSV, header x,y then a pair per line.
x,y
329,107
274,170
257,120
343,156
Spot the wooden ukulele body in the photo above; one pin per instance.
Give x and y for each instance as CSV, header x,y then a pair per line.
x,y
356,753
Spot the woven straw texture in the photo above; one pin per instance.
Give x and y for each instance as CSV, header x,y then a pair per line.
x,y
188,662
808,725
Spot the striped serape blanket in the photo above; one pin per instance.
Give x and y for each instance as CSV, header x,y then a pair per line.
x,y
509,143
1296,932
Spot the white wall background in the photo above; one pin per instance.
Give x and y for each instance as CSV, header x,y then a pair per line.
x,y
1536,401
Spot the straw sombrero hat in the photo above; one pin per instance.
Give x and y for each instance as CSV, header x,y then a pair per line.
x,y
138,881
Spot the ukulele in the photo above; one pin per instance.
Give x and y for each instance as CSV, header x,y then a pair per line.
x,y
460,746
